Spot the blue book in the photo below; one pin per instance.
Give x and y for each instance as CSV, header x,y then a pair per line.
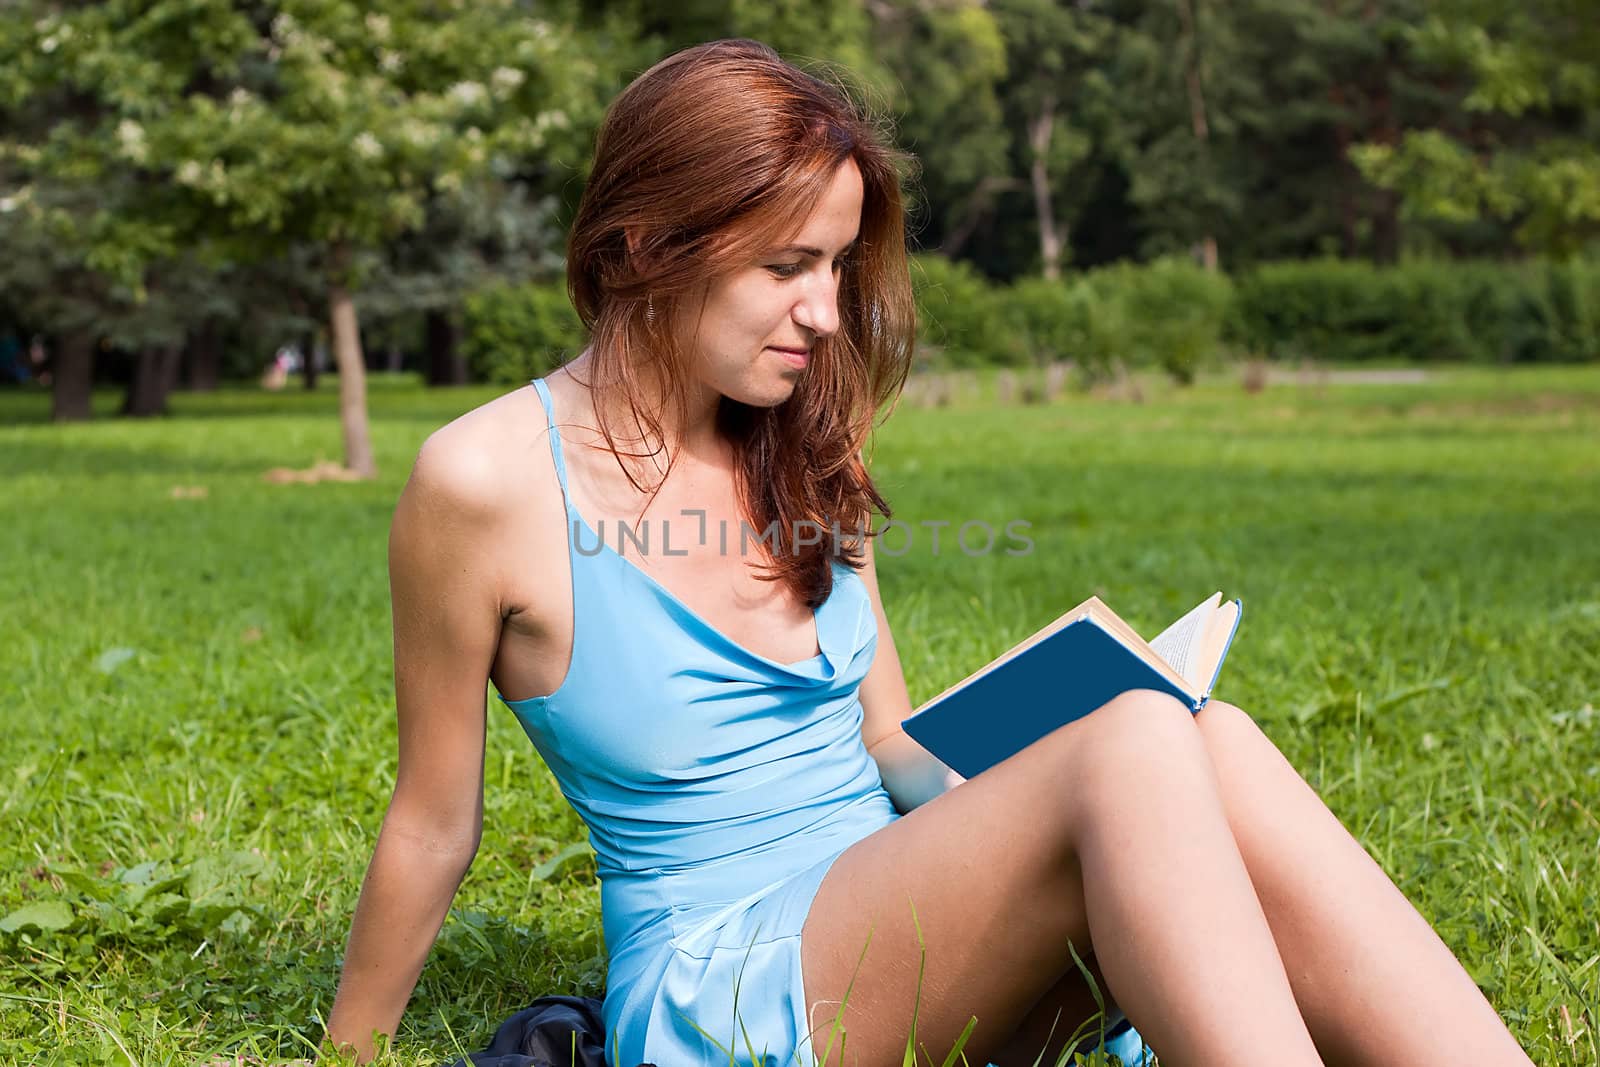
x,y
1071,667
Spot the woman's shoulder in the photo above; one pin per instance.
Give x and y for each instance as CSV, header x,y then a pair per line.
x,y
485,464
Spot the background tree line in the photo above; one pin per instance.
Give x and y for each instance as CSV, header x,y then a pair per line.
x,y
185,184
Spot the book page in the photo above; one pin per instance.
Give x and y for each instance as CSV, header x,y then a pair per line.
x,y
1181,644
1212,646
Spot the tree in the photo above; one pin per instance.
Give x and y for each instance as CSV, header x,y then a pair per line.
x,y
1532,156
339,133
1188,83
1057,102
243,133
499,228
947,61
47,238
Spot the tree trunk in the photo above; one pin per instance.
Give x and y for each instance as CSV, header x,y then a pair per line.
x,y
1349,218
204,359
1386,219
1346,176
1050,242
979,203
1386,228
72,377
1197,114
310,369
352,368
154,375
446,365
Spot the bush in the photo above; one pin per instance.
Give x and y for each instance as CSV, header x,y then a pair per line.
x,y
1350,311
1168,314
1572,311
514,333
959,318
1051,321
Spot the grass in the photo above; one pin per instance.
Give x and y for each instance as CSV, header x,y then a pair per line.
x,y
201,735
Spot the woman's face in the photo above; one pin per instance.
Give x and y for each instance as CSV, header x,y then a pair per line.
x,y
751,336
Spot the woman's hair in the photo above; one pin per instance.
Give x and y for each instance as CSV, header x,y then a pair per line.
x,y
709,157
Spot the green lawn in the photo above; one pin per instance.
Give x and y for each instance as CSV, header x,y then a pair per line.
x,y
201,738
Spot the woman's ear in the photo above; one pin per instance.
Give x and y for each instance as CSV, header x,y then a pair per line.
x,y
630,235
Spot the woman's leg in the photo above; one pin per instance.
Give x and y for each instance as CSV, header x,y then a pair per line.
x,y
1048,847
1373,980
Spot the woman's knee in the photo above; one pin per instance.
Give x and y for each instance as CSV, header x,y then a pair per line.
x,y
1228,732
1131,741
1137,721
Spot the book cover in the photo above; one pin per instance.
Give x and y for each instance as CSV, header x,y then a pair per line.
x,y
1052,679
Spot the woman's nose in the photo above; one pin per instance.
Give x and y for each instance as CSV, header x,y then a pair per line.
x,y
818,310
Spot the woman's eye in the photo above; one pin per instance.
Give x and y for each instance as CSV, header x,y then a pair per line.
x,y
790,270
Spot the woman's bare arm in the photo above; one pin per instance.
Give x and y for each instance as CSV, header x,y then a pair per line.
x,y
911,774
446,629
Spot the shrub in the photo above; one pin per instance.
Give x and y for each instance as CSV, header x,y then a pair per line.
x,y
1573,311
1168,314
1421,312
959,318
1050,321
517,332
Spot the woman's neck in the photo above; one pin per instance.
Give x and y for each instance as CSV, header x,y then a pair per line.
x,y
694,440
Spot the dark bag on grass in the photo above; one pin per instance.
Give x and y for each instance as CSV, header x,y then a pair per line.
x,y
551,1032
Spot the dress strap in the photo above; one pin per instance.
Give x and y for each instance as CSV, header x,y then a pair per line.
x,y
555,435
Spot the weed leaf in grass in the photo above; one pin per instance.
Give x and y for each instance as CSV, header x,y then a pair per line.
x,y
563,862
45,915
112,658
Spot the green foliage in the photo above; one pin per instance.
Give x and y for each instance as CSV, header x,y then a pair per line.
x,y
1072,320
947,60
1052,321
152,904
514,333
1424,312
1168,314
136,140
1173,316
1529,60
810,32
959,322
1060,107
165,168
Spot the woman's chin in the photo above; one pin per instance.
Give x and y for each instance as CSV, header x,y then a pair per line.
x,y
769,392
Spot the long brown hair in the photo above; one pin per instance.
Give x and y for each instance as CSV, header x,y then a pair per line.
x,y
703,159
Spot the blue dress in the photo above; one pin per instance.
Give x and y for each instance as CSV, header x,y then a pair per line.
x,y
718,787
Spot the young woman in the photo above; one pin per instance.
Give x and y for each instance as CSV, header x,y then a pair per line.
x,y
600,545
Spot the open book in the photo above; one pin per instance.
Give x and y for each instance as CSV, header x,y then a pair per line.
x,y
1066,670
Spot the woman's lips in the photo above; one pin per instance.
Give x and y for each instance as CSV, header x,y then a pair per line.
x,y
793,356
